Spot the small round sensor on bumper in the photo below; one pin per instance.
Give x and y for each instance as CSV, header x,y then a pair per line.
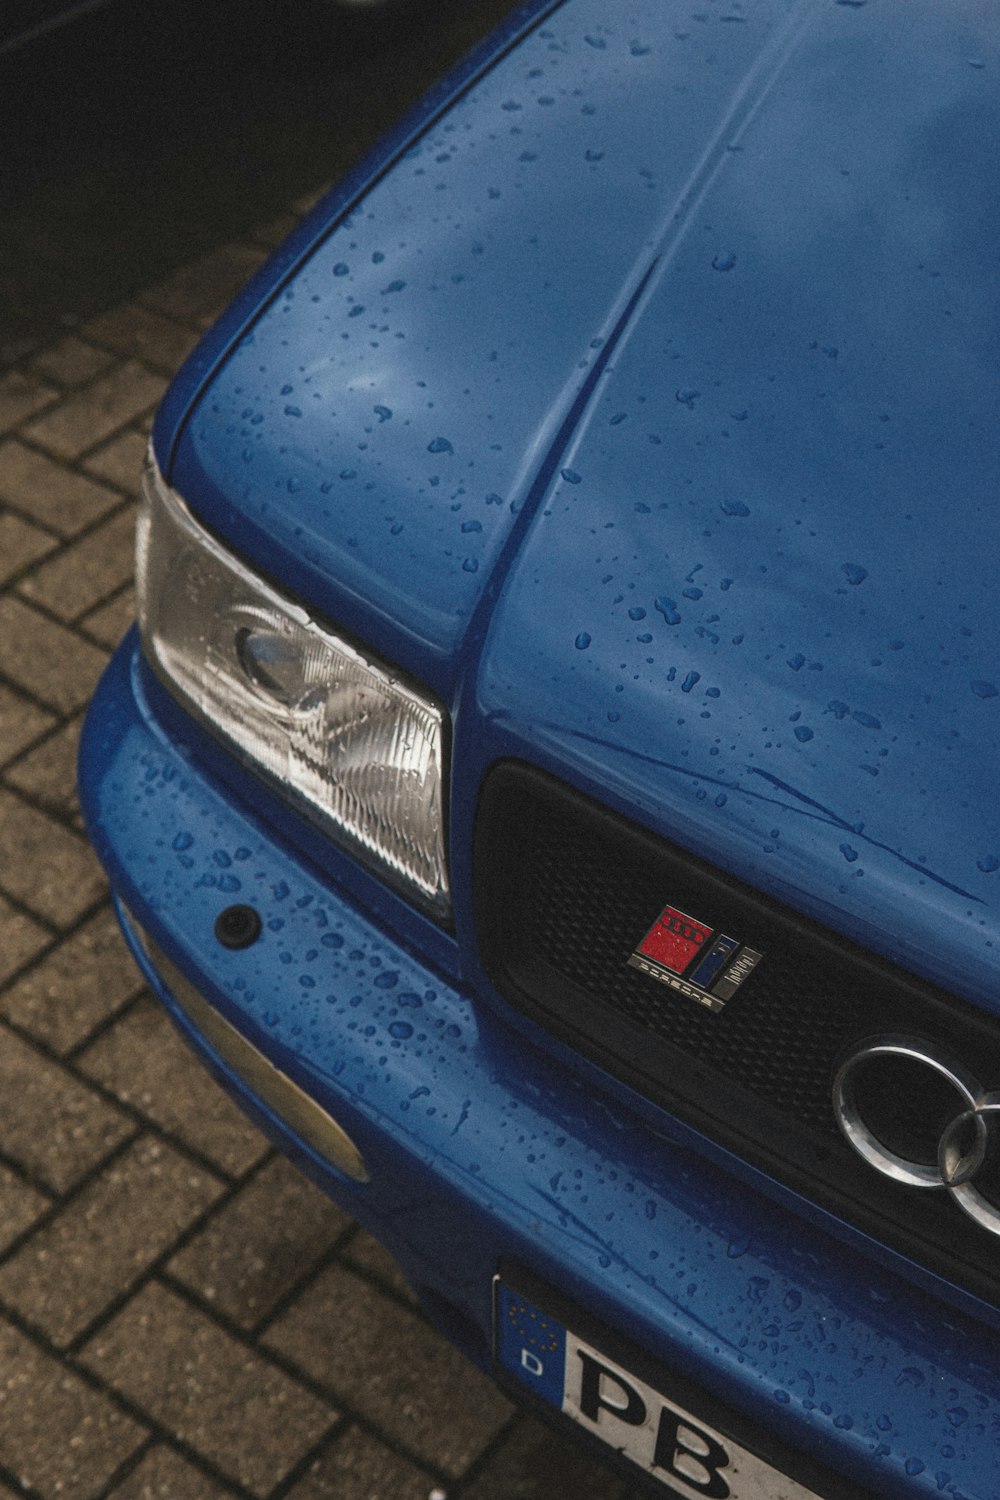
x,y
237,926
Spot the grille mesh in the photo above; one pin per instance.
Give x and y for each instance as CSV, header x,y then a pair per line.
x,y
566,891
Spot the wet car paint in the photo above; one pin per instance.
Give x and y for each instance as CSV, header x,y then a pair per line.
x,y
481,1147
693,502
648,454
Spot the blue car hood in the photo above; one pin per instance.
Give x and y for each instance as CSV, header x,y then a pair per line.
x,y
654,390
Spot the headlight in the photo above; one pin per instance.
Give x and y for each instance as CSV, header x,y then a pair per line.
x,y
350,742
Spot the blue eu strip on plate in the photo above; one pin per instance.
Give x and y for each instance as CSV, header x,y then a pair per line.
x,y
672,1446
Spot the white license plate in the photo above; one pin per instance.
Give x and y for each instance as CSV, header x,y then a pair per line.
x,y
687,1456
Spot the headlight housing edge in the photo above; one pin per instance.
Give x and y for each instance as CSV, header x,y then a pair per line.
x,y
349,741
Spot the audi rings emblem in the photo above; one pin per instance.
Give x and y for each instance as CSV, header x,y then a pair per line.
x,y
964,1138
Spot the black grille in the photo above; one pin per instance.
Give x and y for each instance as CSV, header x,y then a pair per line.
x,y
565,892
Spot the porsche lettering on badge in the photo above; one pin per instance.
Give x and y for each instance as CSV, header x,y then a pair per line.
x,y
694,958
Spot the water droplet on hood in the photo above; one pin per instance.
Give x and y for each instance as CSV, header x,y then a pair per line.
x,y
668,609
724,261
439,445
582,641
984,689
734,508
854,573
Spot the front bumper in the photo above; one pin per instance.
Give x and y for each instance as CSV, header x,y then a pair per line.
x,y
479,1149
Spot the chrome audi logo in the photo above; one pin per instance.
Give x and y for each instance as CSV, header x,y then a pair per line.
x,y
964,1138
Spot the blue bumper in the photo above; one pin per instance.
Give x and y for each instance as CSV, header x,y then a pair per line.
x,y
482,1150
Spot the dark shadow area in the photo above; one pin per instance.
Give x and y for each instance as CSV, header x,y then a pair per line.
x,y
139,136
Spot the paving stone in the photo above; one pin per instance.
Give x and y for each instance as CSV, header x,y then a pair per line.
x,y
86,572
419,1389
308,201
199,291
21,722
21,397
143,1060
52,1126
98,410
359,1467
142,333
52,870
95,1249
533,1463
368,1254
227,1402
20,939
119,462
78,986
109,622
55,496
47,660
275,231
48,773
71,361
163,1475
20,545
63,1439
253,1251
20,1205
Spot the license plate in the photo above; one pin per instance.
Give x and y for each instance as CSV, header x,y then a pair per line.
x,y
671,1445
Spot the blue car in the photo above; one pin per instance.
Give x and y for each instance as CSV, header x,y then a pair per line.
x,y
553,781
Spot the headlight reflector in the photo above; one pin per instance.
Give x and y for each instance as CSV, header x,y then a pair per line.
x,y
352,743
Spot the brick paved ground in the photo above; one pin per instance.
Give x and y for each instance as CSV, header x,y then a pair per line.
x,y
181,1315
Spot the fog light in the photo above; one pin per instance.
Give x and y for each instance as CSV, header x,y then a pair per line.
x,y
292,1105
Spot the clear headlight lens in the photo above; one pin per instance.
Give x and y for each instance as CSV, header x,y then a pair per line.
x,y
358,748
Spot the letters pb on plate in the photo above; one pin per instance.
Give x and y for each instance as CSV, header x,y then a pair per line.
x,y
671,1445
